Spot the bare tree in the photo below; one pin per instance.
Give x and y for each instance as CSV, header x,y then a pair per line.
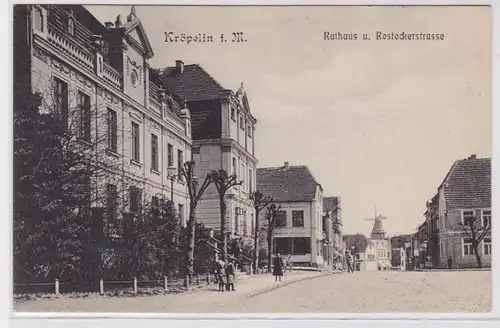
x,y
259,202
223,182
476,228
272,213
195,193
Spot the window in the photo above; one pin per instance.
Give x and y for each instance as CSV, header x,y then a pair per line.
x,y
297,218
84,108
236,221
135,195
235,168
250,181
249,131
245,224
111,205
283,245
170,153
154,152
135,143
467,216
301,245
486,217
280,219
38,19
487,246
242,123
233,114
61,100
468,250
371,257
243,171
71,26
180,164
112,122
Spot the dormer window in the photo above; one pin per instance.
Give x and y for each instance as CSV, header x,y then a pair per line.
x,y
39,20
71,23
71,26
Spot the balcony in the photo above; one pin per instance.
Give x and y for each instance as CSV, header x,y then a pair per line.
x,y
70,48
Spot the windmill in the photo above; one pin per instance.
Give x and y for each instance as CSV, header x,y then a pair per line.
x,y
378,231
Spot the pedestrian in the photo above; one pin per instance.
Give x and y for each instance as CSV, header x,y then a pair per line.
x,y
230,275
219,275
278,267
349,261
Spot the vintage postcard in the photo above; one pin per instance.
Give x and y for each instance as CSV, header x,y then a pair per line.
x,y
252,159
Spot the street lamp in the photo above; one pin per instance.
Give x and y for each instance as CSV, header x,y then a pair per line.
x,y
172,175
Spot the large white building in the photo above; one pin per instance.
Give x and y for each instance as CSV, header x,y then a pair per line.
x,y
223,138
103,71
299,226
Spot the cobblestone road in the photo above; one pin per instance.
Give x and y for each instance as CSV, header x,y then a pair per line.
x,y
438,291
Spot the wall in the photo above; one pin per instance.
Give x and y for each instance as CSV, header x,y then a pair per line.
x,y
48,63
206,118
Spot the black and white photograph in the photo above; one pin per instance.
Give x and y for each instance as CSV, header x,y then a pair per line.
x,y
251,159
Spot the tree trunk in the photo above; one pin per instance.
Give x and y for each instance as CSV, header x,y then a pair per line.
x,y
269,249
223,227
478,257
189,247
256,243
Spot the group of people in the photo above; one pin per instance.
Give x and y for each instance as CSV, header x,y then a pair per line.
x,y
225,275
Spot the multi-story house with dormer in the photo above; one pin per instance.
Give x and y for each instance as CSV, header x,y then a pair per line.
x,y
76,62
298,231
223,130
464,193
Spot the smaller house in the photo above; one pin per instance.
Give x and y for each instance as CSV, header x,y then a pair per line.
x,y
299,225
364,250
465,193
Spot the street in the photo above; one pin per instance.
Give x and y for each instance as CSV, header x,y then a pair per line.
x,y
375,291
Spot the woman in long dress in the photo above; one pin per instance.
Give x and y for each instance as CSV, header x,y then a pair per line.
x,y
278,267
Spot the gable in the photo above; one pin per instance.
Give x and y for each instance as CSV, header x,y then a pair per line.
x,y
136,33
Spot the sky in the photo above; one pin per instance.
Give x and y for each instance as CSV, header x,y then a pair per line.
x,y
379,123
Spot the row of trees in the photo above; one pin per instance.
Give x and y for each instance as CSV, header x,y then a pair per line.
x,y
63,227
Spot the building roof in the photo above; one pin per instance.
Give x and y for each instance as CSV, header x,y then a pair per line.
x,y
287,183
360,241
193,83
468,183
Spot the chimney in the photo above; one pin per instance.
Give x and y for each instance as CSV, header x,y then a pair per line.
x,y
287,165
109,25
473,156
179,65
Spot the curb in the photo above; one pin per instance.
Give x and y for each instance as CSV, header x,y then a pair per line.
x,y
287,283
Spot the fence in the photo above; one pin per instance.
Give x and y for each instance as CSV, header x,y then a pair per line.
x,y
103,286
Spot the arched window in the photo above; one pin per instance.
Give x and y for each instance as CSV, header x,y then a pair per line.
x,y
71,26
38,19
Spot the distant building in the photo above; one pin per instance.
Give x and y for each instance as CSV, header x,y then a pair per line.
x,y
299,231
364,250
223,130
464,192
382,244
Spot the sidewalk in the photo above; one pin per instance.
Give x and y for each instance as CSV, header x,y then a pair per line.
x,y
195,300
